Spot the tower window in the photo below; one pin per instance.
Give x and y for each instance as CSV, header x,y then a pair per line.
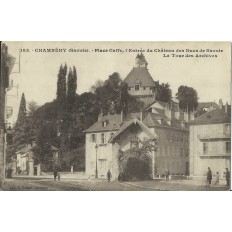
x,y
136,87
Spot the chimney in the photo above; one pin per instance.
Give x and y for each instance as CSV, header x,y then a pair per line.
x,y
100,116
186,116
192,116
141,116
122,117
220,104
168,112
226,107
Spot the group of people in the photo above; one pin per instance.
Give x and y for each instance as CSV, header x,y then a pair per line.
x,y
209,177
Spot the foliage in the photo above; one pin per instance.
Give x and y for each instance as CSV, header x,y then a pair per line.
x,y
61,83
164,93
188,99
72,84
22,110
32,107
61,123
135,163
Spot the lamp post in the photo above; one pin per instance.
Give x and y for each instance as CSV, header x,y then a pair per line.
x,y
96,171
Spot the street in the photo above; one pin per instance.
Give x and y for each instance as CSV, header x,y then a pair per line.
x,y
45,184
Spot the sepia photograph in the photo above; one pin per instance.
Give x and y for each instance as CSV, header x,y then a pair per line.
x,y
115,116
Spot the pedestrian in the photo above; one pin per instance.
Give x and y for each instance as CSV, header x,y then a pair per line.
x,y
55,174
167,174
58,175
209,176
217,178
9,173
227,177
109,175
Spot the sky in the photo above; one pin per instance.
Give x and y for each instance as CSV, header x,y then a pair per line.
x,y
167,62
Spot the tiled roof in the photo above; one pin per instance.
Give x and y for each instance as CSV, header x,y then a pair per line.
x,y
202,105
214,116
113,122
151,134
140,74
160,119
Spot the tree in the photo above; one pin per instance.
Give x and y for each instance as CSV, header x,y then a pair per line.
x,y
32,107
113,96
188,99
164,93
72,84
97,84
61,83
22,110
135,163
22,129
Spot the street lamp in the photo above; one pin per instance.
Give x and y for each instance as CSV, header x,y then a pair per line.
x,y
96,172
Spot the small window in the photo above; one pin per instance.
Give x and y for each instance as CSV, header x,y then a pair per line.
x,y
129,89
205,148
104,123
93,138
136,87
228,147
102,138
151,88
144,88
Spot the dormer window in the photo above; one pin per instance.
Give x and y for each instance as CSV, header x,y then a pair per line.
x,y
136,87
105,123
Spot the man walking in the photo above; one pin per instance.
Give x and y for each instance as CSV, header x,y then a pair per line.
x,y
209,176
227,177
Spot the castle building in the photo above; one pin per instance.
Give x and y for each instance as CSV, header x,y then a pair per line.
x,y
139,80
210,141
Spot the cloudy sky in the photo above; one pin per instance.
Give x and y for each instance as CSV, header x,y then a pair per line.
x,y
210,76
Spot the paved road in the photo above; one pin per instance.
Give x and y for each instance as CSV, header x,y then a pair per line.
x,y
65,185
30,184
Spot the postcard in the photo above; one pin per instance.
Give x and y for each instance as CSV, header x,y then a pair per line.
x,y
115,116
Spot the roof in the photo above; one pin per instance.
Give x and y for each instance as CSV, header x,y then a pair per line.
x,y
141,57
202,105
135,121
52,148
160,119
113,122
23,150
141,75
214,116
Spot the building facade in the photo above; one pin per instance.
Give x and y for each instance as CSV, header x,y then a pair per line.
x,y
106,137
170,124
210,141
167,125
7,63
